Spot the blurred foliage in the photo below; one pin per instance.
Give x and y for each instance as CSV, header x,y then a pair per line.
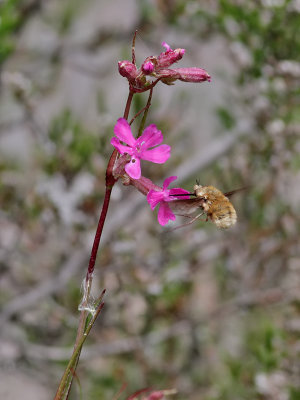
x,y
73,147
13,15
10,19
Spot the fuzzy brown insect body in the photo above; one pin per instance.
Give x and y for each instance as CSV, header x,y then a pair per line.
x,y
216,205
213,202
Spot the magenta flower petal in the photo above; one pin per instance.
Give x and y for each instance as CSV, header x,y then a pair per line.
x,y
123,132
169,180
165,214
120,147
138,149
154,197
166,46
179,191
159,155
133,168
163,198
150,137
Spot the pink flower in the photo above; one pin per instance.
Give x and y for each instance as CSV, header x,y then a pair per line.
x,y
154,197
141,148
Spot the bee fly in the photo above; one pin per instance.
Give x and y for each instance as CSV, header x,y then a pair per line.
x,y
212,201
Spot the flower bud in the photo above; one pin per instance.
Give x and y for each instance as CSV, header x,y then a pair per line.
x,y
128,70
167,76
192,74
169,57
147,67
158,395
136,78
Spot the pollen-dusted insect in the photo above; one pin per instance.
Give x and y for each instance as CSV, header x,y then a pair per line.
x,y
212,201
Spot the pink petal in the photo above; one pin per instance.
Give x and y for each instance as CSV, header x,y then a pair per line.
x,y
165,214
120,147
166,46
133,168
123,132
154,197
150,137
179,191
167,181
159,155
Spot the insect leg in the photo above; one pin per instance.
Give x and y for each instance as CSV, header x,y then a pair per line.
x,y
187,223
184,215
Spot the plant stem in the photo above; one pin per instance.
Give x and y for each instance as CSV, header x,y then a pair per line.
x,y
67,379
109,183
146,109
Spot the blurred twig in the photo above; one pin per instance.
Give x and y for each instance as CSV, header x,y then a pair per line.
x,y
265,297
50,286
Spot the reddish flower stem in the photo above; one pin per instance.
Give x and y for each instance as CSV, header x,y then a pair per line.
x,y
109,183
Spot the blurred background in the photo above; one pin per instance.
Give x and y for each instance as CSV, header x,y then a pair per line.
x,y
214,314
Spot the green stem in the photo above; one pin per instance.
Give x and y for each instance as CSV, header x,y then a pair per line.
x,y
67,378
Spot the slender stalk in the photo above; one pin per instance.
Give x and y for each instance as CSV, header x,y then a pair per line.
x,y
109,181
145,113
144,110
128,104
67,379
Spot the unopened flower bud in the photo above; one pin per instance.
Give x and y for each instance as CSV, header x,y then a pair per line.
x,y
136,78
158,395
192,74
168,76
169,57
128,70
147,67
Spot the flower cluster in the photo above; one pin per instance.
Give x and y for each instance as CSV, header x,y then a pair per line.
x,y
157,67
149,145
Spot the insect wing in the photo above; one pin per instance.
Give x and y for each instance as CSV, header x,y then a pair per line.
x,y
228,194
